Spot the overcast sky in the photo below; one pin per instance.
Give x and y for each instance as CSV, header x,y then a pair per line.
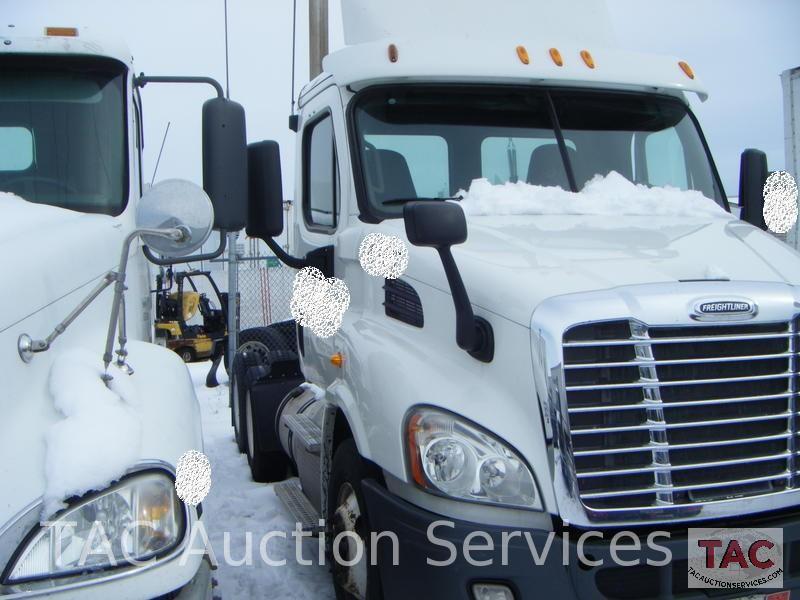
x,y
738,47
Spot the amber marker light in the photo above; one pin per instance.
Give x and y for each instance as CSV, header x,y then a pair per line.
x,y
556,56
587,58
337,360
522,53
414,458
61,31
393,53
686,69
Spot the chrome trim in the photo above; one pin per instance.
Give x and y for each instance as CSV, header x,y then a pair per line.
x,y
719,463
712,444
653,383
68,583
644,404
689,361
679,340
688,424
658,305
684,488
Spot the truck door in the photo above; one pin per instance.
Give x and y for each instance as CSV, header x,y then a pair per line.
x,y
321,181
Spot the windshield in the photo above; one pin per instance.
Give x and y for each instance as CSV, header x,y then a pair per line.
x,y
62,132
424,142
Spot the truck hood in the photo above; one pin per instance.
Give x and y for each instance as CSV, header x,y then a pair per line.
x,y
512,263
48,252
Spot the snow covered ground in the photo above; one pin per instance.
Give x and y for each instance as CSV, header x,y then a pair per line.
x,y
240,507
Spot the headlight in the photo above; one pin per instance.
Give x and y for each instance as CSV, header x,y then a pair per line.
x,y
453,457
137,519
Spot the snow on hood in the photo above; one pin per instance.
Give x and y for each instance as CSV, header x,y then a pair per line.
x,y
100,436
63,249
20,216
611,195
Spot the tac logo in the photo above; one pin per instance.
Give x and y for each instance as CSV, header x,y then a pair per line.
x,y
736,558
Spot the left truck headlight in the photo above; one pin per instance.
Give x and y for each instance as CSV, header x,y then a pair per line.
x,y
139,518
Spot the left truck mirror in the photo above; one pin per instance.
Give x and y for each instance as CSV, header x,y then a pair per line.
x,y
180,204
225,162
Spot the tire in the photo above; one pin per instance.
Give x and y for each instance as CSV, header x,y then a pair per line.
x,y
347,511
186,354
265,467
237,390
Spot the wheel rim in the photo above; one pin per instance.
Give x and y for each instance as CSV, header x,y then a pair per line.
x,y
187,356
251,450
348,517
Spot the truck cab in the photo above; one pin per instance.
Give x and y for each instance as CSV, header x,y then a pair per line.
x,y
89,449
608,357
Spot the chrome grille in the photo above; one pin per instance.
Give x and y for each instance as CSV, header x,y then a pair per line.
x,y
680,416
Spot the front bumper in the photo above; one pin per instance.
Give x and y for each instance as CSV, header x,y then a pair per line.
x,y
412,576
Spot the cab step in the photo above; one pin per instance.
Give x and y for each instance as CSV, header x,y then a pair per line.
x,y
306,430
295,501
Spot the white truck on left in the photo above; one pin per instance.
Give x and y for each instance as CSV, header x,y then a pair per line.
x,y
94,415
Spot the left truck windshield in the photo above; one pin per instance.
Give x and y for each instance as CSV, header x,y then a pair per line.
x,y
62,132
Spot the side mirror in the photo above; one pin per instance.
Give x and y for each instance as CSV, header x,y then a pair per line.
x,y
440,225
753,175
435,224
265,190
225,162
175,203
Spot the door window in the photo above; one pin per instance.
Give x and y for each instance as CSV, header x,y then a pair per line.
x,y
320,175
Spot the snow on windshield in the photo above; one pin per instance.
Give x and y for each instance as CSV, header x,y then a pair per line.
x,y
611,195
100,436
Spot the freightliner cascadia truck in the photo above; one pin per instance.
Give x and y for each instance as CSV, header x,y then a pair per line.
x,y
80,455
567,362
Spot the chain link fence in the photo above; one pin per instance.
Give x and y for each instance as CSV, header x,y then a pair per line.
x,y
265,291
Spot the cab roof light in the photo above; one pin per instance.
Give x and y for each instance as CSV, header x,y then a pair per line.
x,y
556,56
61,31
587,58
686,69
393,53
522,53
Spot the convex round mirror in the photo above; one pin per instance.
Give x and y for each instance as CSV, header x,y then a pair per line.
x,y
175,203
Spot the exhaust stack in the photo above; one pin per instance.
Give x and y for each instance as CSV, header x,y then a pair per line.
x,y
317,35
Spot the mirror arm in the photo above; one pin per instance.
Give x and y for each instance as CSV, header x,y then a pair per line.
x,y
290,261
142,80
166,262
174,233
473,334
27,347
465,318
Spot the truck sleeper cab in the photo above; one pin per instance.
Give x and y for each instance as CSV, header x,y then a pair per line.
x,y
611,400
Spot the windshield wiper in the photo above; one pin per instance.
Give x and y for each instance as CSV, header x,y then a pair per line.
x,y
394,201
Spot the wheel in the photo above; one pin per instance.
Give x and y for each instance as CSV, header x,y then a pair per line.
x,y
347,512
186,354
237,398
265,467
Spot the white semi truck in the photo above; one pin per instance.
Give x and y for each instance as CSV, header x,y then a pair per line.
x,y
548,373
74,225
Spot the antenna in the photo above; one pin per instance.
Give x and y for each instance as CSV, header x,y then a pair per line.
x,y
158,160
227,74
294,46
